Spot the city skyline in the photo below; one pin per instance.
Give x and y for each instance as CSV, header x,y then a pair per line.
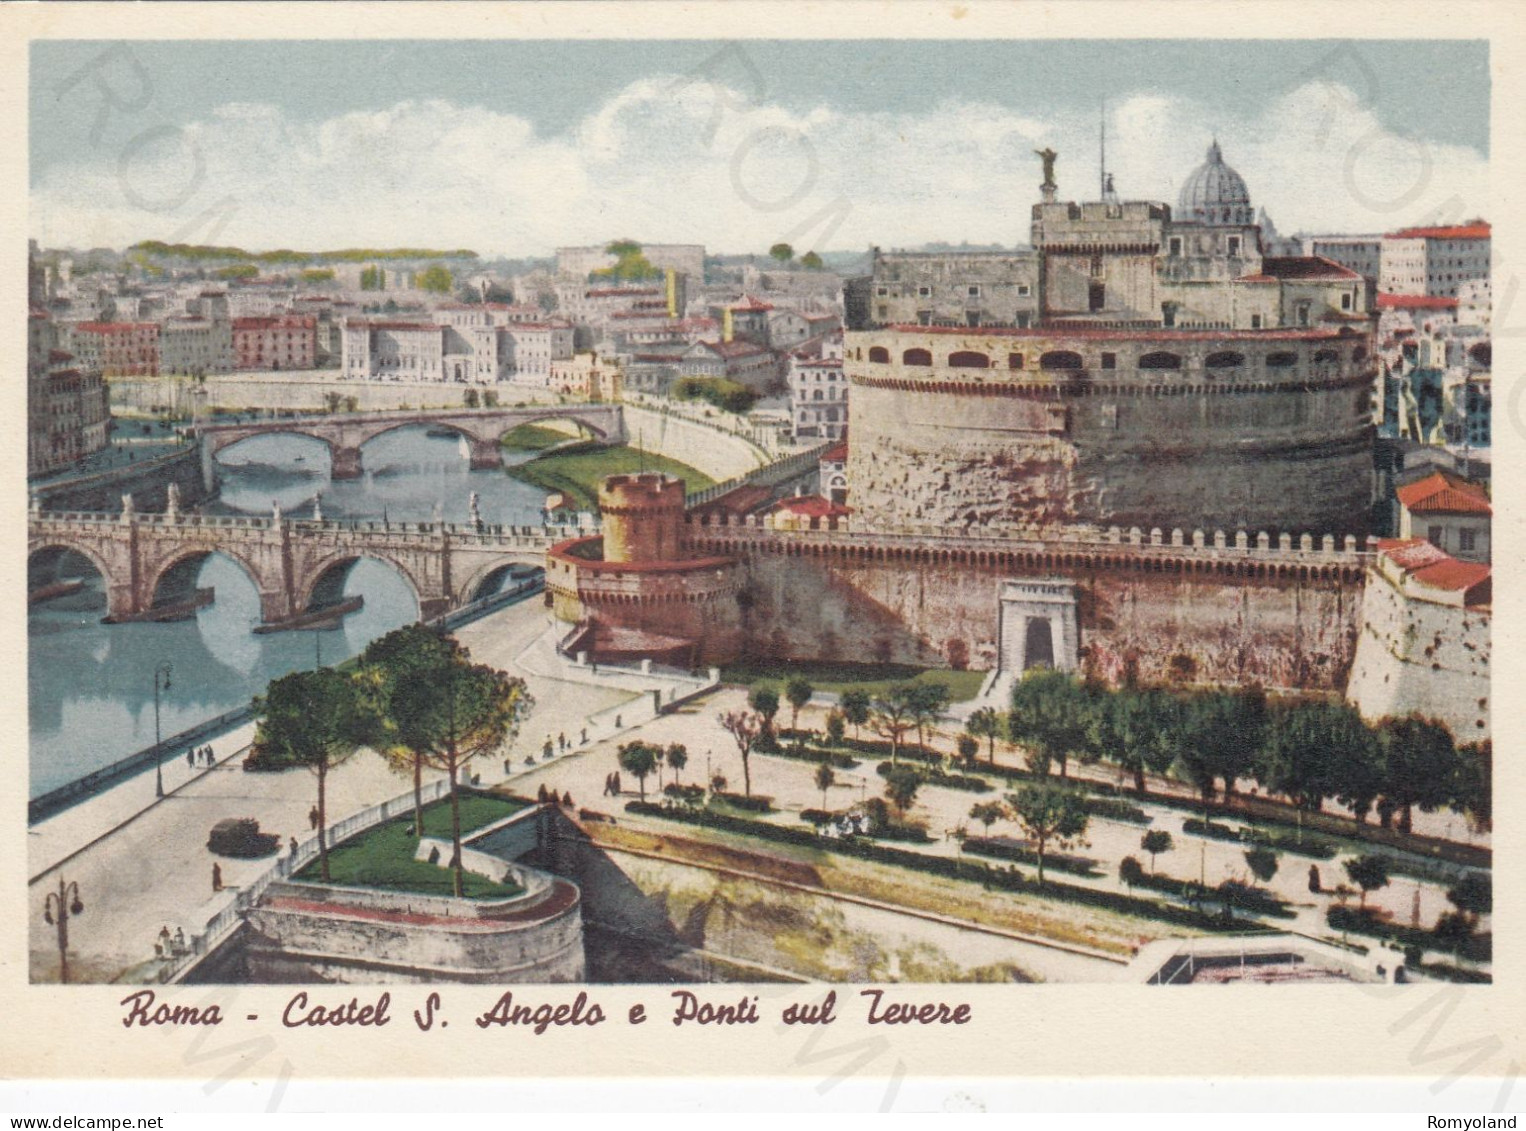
x,y
370,144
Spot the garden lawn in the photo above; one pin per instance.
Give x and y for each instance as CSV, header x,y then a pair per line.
x,y
577,471
839,677
382,857
535,438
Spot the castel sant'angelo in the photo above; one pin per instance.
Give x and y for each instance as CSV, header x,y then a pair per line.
x,y
1140,448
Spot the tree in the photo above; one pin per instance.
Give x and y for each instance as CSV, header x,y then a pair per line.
x,y
678,758
314,719
390,666
765,701
892,714
837,725
988,813
472,398
901,785
811,261
744,728
986,723
1368,873
798,692
1221,734
1419,765
1473,895
1049,814
1130,871
436,279
1297,757
928,702
439,709
856,705
1050,713
1473,791
1155,842
640,759
825,780
782,252
1262,862
968,747
1134,731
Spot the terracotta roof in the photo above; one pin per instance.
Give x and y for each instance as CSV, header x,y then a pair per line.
x,y
1442,492
1109,333
1434,569
748,302
114,327
737,348
740,501
1410,553
1416,302
1306,267
812,506
837,452
1477,230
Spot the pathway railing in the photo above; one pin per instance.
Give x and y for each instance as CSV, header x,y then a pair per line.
x,y
221,926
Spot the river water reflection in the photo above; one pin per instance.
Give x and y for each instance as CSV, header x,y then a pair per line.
x,y
90,685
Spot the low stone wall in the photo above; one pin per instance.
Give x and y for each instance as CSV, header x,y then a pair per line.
x,y
148,482
305,933
303,391
661,904
1422,657
718,453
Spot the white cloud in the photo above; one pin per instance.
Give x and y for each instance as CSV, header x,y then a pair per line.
x,y
669,160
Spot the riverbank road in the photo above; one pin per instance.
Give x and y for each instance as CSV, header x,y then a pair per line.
x,y
142,864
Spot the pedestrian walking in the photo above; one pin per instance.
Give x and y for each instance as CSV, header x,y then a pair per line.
x,y
217,876
566,800
294,850
585,737
312,817
190,759
619,789
561,740
508,765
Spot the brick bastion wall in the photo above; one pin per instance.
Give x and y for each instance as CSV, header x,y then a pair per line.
x,y
1266,430
1198,608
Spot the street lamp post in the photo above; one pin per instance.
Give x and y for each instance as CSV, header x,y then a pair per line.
x,y
161,673
57,907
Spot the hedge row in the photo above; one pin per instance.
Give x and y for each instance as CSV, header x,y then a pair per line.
x,y
1114,809
948,867
933,776
1245,898
1317,847
979,846
1478,948
746,803
814,755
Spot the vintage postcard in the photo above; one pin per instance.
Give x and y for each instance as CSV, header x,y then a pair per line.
x,y
785,539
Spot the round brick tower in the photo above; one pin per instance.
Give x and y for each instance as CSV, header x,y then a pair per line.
x,y
643,517
634,590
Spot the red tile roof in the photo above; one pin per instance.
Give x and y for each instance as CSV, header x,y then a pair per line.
x,y
734,349
749,303
813,506
837,452
1477,230
1432,568
1306,267
1442,492
1416,302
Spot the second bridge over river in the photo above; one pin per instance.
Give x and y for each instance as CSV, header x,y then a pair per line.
x,y
345,434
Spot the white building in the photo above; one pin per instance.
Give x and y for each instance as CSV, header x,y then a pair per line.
x,y
466,353
818,394
1434,261
192,346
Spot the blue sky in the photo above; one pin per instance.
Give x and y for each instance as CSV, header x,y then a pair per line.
x,y
515,147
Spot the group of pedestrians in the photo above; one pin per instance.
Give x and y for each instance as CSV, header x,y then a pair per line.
x,y
612,785
200,756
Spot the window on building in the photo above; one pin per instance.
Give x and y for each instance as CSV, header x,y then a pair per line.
x,y
973,291
1346,300
882,292
1096,267
1234,245
1096,296
924,292
1176,245
1110,361
1467,540
1433,535
1255,321
1014,361
1023,290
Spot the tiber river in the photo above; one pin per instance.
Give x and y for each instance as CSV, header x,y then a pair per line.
x,y
91,685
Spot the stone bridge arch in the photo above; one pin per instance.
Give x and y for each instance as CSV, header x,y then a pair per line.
x,y
159,568
479,578
322,572
36,547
